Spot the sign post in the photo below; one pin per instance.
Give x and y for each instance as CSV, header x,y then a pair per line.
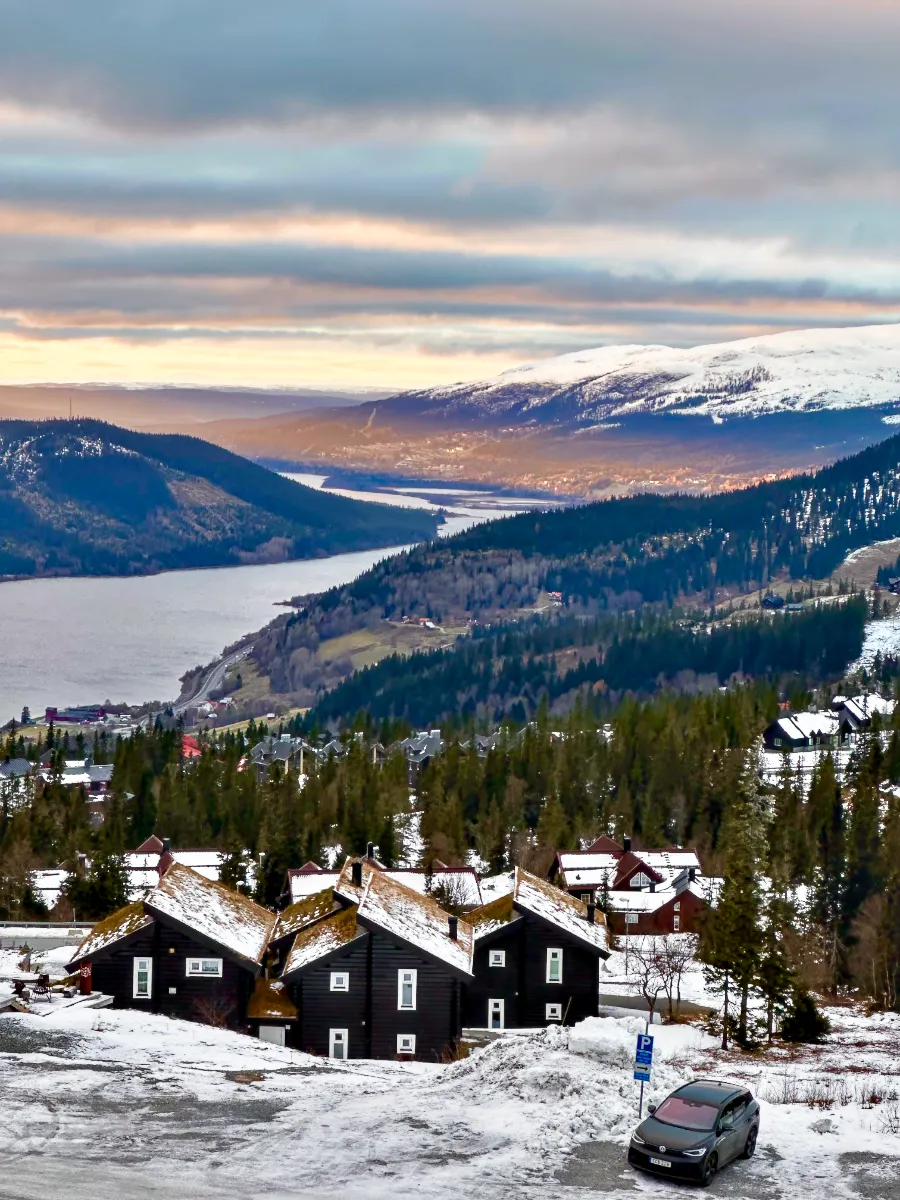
x,y
643,1061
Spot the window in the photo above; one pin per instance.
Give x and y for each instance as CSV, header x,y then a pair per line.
x,y
554,966
210,967
497,958
143,978
406,989
496,1014
406,1043
553,1012
337,1043
676,922
586,897
677,906
639,880
631,918
340,981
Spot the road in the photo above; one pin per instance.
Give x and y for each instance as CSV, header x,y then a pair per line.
x,y
209,681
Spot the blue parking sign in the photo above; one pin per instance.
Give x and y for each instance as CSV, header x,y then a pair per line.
x,y
643,1054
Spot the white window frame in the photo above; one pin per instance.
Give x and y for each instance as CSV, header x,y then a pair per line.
x,y
554,955
335,1037
193,968
496,958
401,982
632,918
639,880
676,922
406,1043
137,970
340,981
500,1007
553,1012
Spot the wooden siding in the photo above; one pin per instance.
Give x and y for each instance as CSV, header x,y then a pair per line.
x,y
496,983
663,919
320,1009
369,1010
195,998
522,983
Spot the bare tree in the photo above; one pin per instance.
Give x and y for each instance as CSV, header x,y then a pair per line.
x,y
676,952
648,970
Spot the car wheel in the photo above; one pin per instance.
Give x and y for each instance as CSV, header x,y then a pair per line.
x,y
709,1171
750,1147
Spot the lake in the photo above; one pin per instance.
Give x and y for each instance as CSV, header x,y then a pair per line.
x,y
87,640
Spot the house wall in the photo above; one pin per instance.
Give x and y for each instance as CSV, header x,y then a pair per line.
x,y
321,1009
496,983
522,983
194,998
663,919
369,1010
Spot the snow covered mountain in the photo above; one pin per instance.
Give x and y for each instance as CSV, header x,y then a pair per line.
x,y
801,372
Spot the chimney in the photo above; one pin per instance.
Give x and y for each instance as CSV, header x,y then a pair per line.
x,y
692,874
626,844
592,908
356,873
167,845
652,886
370,850
453,928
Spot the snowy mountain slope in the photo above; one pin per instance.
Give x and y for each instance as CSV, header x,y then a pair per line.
x,y
805,371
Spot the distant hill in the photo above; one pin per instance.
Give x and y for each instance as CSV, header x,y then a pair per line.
x,y
618,419
809,371
84,497
655,554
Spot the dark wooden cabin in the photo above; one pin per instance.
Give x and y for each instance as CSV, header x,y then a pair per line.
x,y
536,961
377,971
189,949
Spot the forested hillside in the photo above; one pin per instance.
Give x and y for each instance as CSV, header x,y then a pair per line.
x,y
610,557
83,497
507,671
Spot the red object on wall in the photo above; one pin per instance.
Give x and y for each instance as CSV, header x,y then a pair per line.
x,y
85,979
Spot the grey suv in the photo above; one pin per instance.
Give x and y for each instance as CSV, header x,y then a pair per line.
x,y
697,1130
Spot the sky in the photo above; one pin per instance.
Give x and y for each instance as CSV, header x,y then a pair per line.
x,y
391,194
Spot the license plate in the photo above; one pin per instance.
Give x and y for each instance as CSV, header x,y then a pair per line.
x,y
659,1162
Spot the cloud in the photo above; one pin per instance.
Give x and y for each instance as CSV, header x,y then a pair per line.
x,y
456,178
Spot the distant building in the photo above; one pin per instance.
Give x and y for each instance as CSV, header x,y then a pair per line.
x,y
642,891
85,714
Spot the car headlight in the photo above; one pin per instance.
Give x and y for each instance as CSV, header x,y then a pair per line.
x,y
696,1153
640,1141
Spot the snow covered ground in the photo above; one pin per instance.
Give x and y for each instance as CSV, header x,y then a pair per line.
x,y
882,637
125,1106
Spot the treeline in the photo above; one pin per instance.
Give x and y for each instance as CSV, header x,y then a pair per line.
x,y
612,556
506,671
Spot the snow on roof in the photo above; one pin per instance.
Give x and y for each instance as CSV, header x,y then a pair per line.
x,y
303,913
809,724
303,886
234,922
597,861
669,860
639,900
493,886
324,938
419,921
558,908
121,924
271,1002
864,707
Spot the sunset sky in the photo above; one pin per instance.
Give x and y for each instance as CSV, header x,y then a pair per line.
x,y
397,193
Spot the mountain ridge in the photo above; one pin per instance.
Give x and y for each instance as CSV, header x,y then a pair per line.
x,y
798,371
85,497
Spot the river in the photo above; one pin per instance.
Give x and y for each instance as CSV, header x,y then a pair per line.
x,y
88,640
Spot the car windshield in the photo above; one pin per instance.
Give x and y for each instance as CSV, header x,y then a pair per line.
x,y
689,1114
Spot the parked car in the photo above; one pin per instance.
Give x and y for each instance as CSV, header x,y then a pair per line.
x,y
697,1130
